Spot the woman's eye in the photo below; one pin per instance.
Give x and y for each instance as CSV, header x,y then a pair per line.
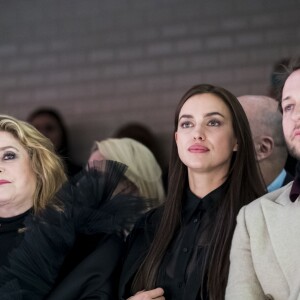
x,y
9,156
186,124
214,123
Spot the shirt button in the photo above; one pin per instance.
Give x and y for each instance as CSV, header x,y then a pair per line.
x,y
195,220
185,250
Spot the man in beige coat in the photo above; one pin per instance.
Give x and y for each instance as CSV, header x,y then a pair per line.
x,y
265,253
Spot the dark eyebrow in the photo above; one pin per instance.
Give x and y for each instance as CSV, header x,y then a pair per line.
x,y
214,113
206,115
186,116
8,147
286,98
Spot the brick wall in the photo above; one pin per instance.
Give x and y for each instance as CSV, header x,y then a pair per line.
x,y
104,63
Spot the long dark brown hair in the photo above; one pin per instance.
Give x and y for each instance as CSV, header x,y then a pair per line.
x,y
244,185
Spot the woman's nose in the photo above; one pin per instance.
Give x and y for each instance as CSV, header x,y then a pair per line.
x,y
199,135
201,138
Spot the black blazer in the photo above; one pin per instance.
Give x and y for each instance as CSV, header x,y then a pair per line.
x,y
96,276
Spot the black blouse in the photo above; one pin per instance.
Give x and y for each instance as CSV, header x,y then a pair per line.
x,y
10,237
181,271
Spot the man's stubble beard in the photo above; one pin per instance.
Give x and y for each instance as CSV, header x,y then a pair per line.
x,y
293,150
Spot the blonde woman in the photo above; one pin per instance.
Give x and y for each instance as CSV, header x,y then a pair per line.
x,y
30,174
143,169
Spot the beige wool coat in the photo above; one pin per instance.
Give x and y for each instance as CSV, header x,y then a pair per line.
x,y
265,252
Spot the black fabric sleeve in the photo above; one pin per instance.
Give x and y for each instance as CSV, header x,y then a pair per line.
x,y
96,277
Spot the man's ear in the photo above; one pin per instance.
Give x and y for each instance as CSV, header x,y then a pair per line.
x,y
264,147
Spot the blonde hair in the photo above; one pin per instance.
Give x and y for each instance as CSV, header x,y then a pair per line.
x,y
143,169
46,165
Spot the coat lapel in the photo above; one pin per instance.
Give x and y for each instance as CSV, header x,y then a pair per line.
x,y
283,224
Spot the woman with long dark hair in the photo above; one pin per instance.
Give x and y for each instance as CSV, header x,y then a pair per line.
x,y
181,250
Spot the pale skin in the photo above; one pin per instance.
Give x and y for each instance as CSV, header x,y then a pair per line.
x,y
291,113
17,179
149,295
206,141
95,156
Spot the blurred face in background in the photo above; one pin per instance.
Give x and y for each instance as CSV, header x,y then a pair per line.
x,y
50,128
95,156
